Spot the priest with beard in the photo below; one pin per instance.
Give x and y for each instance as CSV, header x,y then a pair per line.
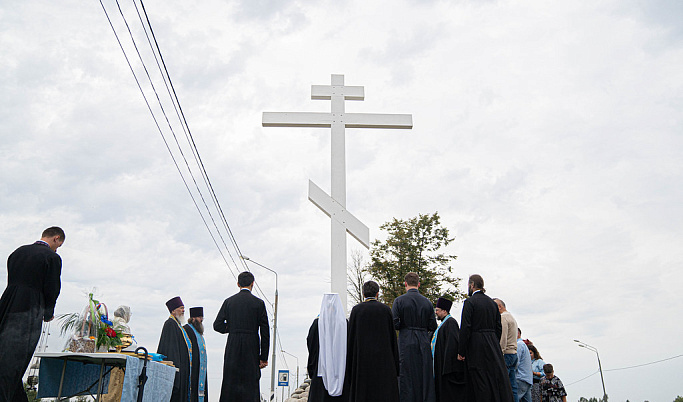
x,y
175,344
372,365
449,372
326,343
479,346
198,378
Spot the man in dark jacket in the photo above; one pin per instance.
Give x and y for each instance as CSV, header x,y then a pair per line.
x,y
479,346
243,316
372,355
175,344
414,320
33,285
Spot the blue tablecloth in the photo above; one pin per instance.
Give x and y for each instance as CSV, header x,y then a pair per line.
x,y
83,372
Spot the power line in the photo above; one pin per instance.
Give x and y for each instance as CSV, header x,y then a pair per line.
x,y
170,89
156,122
190,139
644,364
628,367
163,111
184,124
586,377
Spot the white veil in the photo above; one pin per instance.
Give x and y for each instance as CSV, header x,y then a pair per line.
x,y
332,338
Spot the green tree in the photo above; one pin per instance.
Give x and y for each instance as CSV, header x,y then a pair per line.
x,y
678,399
414,245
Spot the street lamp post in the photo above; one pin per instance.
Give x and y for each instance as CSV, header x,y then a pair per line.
x,y
594,349
272,372
297,365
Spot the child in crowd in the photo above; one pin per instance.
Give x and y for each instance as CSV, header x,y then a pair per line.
x,y
552,389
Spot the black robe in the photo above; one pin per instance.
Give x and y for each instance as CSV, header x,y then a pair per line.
x,y
243,316
317,391
487,376
372,365
449,372
33,286
194,372
415,321
172,345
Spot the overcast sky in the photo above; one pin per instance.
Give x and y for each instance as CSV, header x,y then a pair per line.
x,y
548,136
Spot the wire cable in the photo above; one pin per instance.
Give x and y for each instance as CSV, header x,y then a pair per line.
x,y
628,367
586,377
182,154
186,129
137,81
644,364
188,134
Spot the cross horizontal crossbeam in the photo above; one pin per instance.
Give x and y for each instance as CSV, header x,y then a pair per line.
x,y
325,120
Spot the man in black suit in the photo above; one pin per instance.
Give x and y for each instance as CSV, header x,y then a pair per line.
x,y
479,346
243,316
33,285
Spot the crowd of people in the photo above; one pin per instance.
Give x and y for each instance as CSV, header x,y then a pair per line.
x,y
380,354
484,358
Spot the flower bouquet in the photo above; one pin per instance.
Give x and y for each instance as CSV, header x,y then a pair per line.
x,y
91,330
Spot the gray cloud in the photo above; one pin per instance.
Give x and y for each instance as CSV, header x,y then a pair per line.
x,y
546,135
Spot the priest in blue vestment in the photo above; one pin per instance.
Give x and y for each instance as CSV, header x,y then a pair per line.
x,y
198,377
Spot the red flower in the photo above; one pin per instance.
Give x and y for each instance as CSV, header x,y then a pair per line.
x,y
110,332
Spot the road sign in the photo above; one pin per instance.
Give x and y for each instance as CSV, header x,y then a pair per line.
x,y
282,378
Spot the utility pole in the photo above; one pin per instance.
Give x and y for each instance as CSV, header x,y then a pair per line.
x,y
594,349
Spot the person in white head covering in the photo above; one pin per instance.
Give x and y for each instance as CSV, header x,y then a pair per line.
x,y
327,351
121,319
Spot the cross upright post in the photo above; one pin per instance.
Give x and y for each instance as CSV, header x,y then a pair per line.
x,y
334,206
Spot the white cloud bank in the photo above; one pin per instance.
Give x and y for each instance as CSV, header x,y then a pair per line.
x,y
547,135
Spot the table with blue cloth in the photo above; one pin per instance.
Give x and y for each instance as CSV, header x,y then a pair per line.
x,y
69,374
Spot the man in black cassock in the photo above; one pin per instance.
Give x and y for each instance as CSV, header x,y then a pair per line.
x,y
33,284
243,316
414,319
479,346
175,344
195,331
449,372
372,365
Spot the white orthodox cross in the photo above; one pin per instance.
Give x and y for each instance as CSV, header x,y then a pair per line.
x,y
335,206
